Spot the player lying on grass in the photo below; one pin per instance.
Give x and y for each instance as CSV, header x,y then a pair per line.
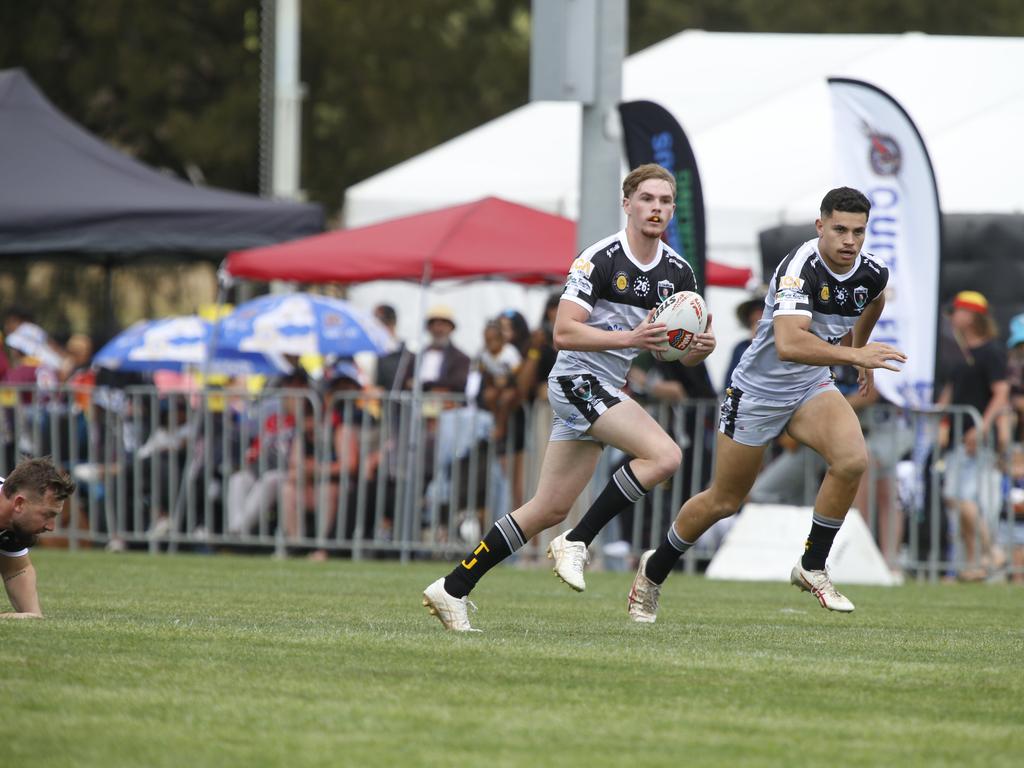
x,y
31,498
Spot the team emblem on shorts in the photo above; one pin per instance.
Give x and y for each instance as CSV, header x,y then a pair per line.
x,y
665,289
583,391
641,285
860,296
620,282
823,294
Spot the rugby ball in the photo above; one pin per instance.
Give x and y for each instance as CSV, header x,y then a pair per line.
x,y
685,315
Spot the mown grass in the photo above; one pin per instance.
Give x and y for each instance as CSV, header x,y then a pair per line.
x,y
194,661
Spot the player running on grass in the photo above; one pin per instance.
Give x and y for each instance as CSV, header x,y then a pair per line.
x,y
823,291
602,323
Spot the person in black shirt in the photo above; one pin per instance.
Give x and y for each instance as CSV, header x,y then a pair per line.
x,y
977,377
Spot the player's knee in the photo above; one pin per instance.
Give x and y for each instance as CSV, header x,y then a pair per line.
x,y
666,460
851,465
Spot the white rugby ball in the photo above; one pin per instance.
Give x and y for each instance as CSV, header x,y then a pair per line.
x,y
685,315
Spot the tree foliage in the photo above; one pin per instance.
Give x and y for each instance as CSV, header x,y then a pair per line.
x,y
177,83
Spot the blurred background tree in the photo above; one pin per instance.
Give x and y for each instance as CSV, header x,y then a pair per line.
x,y
176,84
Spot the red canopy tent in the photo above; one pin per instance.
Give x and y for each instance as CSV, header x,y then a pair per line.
x,y
489,237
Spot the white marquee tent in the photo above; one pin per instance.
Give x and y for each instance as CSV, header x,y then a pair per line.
x,y
757,111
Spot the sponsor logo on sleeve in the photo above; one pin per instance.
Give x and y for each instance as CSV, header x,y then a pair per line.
x,y
582,266
790,282
578,284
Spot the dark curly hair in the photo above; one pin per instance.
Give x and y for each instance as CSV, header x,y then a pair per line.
x,y
845,199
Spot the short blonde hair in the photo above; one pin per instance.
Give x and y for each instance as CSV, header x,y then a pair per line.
x,y
643,173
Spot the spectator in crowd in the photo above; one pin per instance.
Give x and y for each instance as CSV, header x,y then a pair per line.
x,y
31,499
311,467
395,367
355,458
1015,373
499,363
78,356
976,378
444,367
252,490
539,357
1013,533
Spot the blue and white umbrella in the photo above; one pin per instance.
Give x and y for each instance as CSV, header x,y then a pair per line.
x,y
177,343
303,324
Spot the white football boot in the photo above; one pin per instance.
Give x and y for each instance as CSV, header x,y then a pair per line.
x,y
820,585
643,597
450,611
570,557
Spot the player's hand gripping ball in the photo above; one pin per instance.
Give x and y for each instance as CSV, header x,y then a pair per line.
x,y
685,315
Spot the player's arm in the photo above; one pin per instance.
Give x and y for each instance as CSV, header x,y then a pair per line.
x,y
796,344
572,332
19,577
861,333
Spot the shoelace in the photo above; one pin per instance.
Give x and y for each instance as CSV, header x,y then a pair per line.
x,y
580,557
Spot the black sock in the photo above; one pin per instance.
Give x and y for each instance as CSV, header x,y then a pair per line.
x,y
622,490
504,538
660,564
819,542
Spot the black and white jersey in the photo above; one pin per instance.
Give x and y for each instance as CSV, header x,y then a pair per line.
x,y
618,291
10,544
804,285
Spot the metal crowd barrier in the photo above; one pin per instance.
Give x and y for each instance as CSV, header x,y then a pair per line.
x,y
293,471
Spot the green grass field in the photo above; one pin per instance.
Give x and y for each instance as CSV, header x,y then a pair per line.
x,y
194,661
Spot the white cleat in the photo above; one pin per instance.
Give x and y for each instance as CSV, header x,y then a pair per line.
x,y
820,585
570,557
450,611
643,597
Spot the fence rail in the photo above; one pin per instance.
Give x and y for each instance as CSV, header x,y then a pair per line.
x,y
289,471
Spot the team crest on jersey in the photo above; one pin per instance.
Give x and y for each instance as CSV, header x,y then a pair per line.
x,y
841,296
823,294
860,296
665,289
583,391
641,285
620,282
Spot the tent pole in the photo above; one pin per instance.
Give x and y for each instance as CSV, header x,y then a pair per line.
x,y
409,498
